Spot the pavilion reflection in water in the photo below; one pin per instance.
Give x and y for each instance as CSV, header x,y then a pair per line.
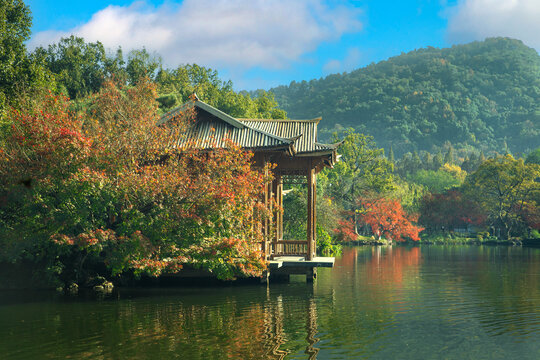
x,y
275,334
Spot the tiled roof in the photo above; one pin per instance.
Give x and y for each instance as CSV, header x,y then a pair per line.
x,y
212,133
213,128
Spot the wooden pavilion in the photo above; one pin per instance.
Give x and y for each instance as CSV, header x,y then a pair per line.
x,y
289,144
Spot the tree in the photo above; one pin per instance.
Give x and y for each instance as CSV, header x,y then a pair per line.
x,y
346,231
455,171
449,210
472,95
449,156
387,219
78,66
427,161
105,194
362,168
19,73
416,162
141,64
15,22
435,181
533,157
503,187
391,156
177,85
115,67
438,160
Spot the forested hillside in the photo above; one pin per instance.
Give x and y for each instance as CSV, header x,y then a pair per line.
x,y
484,95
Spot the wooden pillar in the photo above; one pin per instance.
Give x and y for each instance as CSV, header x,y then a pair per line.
x,y
311,274
280,202
311,213
264,247
314,224
277,189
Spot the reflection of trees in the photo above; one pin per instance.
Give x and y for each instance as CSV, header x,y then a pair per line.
x,y
362,308
266,329
365,287
388,264
249,324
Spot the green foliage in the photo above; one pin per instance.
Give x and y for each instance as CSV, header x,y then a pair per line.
x,y
409,194
362,168
325,246
507,190
295,216
19,73
479,94
141,64
435,181
15,22
533,157
177,85
103,204
79,67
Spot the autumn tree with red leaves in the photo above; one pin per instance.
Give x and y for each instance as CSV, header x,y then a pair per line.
x,y
449,210
104,193
387,219
345,231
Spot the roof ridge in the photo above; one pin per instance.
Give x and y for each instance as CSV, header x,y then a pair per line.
x,y
218,113
221,115
315,120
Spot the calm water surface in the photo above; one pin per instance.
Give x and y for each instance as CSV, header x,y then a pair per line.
x,y
428,302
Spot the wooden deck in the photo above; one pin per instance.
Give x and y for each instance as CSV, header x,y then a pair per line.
x,y
301,262
281,267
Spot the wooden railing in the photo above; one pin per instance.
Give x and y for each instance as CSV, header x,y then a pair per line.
x,y
289,247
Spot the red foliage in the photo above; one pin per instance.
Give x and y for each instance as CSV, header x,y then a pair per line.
x,y
387,218
44,141
345,231
449,210
531,215
155,207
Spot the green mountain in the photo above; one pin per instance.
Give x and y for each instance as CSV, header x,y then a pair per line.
x,y
483,95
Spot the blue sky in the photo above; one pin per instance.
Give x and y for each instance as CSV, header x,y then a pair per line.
x,y
265,43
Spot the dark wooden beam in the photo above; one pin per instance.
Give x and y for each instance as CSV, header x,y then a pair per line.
x,y
311,214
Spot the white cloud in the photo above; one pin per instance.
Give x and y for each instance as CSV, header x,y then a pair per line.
x,y
350,62
478,19
238,33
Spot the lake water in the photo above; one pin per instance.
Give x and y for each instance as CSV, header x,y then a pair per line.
x,y
430,302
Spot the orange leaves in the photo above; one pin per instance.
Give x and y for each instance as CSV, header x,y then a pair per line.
x,y
345,231
387,218
115,187
45,140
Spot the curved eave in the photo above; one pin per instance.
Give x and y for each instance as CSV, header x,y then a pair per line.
x,y
315,120
286,148
316,153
